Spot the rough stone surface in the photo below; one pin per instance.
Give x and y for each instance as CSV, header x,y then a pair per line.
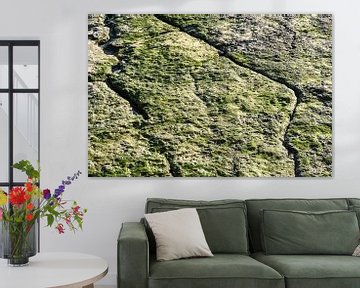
x,y
210,95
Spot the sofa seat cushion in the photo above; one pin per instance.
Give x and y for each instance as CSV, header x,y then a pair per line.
x,y
313,271
222,270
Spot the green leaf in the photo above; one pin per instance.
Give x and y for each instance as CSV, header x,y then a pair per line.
x,y
26,167
52,211
50,219
79,221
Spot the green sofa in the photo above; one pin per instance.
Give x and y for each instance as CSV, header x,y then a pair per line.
x,y
233,230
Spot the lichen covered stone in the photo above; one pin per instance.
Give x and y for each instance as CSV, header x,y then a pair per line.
x,y
210,95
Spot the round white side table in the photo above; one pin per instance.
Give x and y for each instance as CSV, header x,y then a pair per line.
x,y
50,270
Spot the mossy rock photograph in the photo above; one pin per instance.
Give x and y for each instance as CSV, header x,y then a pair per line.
x,y
210,95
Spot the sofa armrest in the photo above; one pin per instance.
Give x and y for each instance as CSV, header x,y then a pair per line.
x,y
133,256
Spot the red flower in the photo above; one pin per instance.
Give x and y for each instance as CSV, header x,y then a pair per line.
x,y
29,206
17,196
29,217
27,196
75,209
60,228
29,187
68,219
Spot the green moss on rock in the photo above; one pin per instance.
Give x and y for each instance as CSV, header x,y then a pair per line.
x,y
187,97
99,64
97,31
116,147
292,49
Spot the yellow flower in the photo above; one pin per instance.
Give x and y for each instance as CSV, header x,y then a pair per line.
x,y
3,198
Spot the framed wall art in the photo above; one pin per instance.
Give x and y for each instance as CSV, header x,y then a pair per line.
x,y
210,95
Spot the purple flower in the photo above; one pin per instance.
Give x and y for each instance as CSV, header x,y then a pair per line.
x,y
46,194
58,192
68,181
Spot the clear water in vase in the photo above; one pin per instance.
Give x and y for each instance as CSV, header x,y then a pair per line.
x,y
18,242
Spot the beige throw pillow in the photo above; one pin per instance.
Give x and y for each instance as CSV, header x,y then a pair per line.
x,y
178,234
357,251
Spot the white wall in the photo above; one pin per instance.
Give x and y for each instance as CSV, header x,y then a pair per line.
x,y
62,28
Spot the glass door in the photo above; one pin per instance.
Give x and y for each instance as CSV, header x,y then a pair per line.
x,y
19,108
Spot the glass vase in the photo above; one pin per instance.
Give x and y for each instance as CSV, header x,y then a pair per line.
x,y
18,242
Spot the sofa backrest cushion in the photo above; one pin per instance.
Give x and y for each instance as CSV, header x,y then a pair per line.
x,y
353,202
223,221
298,232
255,206
354,205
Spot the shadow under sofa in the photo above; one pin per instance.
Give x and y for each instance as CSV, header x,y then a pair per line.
x,y
232,229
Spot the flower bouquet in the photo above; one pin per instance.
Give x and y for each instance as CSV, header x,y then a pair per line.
x,y
21,208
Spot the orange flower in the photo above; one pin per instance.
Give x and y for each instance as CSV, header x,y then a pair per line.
x,y
29,217
29,187
29,206
27,196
